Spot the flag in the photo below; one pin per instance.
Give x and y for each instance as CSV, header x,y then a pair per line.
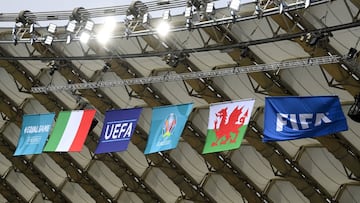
x,y
227,125
289,118
118,128
35,130
166,127
70,131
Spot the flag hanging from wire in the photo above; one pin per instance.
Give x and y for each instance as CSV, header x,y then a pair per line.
x,y
34,133
119,126
166,127
70,131
289,118
227,125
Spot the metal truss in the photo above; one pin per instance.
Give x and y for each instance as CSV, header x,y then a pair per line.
x,y
298,63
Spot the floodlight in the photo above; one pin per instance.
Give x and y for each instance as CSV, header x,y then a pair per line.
x,y
235,5
307,3
351,53
52,28
188,12
31,29
146,18
71,26
48,40
210,8
166,15
68,39
104,34
84,37
89,25
163,28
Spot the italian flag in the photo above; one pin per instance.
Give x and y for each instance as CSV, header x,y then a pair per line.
x,y
70,131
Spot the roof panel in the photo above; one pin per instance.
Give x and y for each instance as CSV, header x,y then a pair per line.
x,y
135,159
350,193
75,193
212,59
279,51
283,191
221,190
5,165
163,186
145,65
190,161
119,94
324,167
8,86
128,197
253,164
22,184
107,179
50,168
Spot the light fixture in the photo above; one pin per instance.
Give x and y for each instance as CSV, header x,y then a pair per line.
x,y
235,5
166,15
71,26
52,28
84,37
89,25
258,11
307,3
282,6
351,53
210,7
68,39
146,18
163,28
31,29
106,30
188,12
48,40
354,110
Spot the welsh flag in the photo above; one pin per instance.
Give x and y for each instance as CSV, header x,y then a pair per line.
x,y
227,125
70,131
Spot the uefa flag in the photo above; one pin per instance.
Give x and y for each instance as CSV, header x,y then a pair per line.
x,y
289,118
227,125
35,130
70,131
119,126
166,127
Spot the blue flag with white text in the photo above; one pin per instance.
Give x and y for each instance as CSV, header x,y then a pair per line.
x,y
289,118
35,130
166,127
119,126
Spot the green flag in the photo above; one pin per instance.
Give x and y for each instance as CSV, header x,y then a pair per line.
x,y
227,125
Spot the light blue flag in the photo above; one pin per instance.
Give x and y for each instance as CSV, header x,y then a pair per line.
x,y
35,130
166,127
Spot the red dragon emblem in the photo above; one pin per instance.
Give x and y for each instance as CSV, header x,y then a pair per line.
x,y
228,126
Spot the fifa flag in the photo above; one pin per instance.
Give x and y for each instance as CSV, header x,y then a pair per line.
x,y
289,118
227,125
35,130
166,127
118,128
70,131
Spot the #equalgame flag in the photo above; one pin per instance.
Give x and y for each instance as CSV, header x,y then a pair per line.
x,y
34,133
70,131
227,125
166,127
289,118
118,128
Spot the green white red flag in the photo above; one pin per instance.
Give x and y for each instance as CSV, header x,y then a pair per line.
x,y
70,131
227,125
